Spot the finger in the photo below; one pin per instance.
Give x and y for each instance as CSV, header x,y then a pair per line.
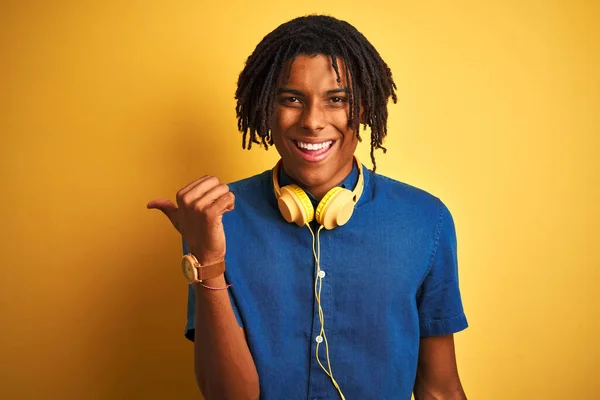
x,y
167,207
230,207
195,190
192,184
209,197
222,205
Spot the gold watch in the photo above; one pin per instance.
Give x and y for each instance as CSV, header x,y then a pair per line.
x,y
193,272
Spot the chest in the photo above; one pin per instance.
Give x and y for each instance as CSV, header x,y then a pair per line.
x,y
372,252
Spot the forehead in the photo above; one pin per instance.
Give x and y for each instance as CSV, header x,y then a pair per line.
x,y
313,71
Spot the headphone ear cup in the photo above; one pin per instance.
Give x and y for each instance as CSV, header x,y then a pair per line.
x,y
295,205
336,208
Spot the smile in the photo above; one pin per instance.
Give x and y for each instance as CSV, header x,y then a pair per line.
x,y
313,152
313,146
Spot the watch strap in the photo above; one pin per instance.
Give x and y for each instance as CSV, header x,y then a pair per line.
x,y
207,271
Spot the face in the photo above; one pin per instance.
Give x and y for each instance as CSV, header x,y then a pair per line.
x,y
310,124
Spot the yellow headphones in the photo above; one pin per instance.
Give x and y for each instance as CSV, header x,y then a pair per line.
x,y
335,209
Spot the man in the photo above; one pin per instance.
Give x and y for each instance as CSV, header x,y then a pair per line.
x,y
339,282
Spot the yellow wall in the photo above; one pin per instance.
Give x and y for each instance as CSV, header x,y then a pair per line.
x,y
105,106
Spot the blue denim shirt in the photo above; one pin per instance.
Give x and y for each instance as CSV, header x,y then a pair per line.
x,y
390,278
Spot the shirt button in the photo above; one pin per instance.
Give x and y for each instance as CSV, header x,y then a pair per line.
x,y
321,274
319,339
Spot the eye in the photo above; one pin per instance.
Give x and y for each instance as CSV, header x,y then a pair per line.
x,y
338,102
290,101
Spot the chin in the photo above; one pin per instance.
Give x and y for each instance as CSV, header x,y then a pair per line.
x,y
314,175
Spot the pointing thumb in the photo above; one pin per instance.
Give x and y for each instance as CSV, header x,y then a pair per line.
x,y
167,207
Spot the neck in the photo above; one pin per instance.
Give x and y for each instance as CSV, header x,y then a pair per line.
x,y
319,191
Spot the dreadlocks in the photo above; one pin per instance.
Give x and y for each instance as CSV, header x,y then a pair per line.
x,y
371,78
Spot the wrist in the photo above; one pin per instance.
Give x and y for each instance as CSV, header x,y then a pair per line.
x,y
205,258
197,272
202,288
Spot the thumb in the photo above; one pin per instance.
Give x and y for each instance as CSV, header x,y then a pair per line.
x,y
167,207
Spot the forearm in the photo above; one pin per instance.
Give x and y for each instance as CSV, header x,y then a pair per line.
x,y
441,396
223,364
422,391
437,373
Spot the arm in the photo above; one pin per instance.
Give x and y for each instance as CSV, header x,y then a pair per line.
x,y
222,361
437,373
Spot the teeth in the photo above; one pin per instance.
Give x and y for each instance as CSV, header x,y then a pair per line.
x,y
314,146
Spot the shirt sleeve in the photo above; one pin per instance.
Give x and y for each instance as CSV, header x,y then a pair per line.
x,y
438,299
190,326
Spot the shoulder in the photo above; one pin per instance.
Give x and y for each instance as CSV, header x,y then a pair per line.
x,y
408,202
389,189
251,184
253,195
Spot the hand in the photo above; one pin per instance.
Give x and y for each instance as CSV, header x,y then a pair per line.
x,y
198,216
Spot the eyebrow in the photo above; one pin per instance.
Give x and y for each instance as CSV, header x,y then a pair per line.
x,y
344,90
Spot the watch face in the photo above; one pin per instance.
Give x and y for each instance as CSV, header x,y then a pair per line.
x,y
189,271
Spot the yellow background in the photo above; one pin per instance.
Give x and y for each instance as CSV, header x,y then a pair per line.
x,y
106,105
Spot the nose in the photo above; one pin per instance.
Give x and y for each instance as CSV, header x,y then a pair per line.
x,y
313,118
